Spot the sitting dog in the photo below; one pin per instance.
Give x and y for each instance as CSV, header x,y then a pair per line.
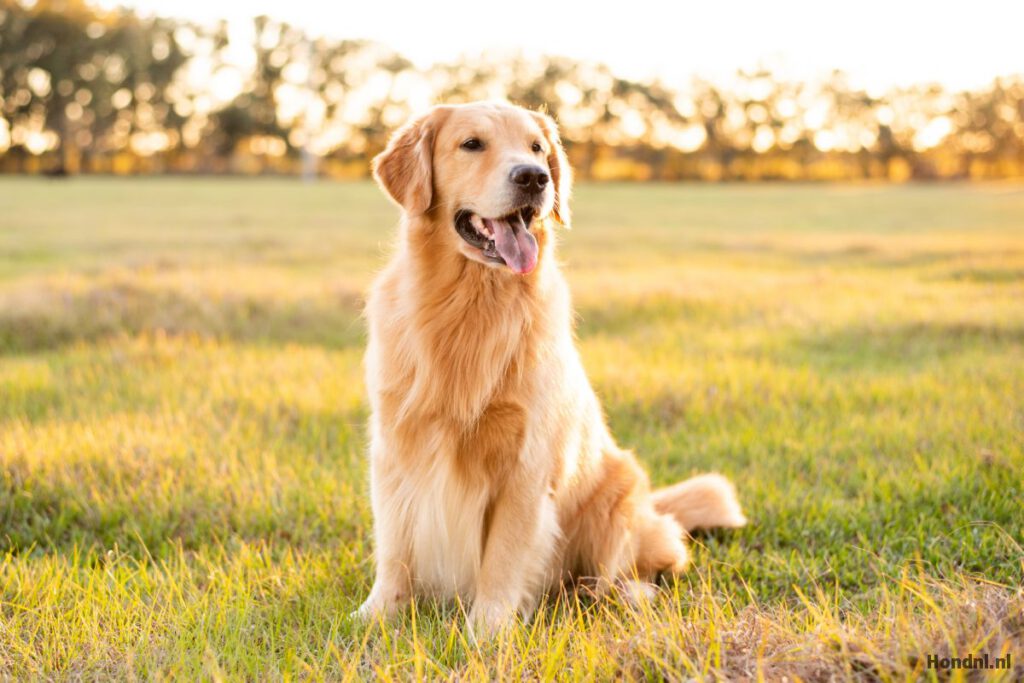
x,y
494,477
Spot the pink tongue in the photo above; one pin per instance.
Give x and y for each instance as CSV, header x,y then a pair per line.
x,y
515,243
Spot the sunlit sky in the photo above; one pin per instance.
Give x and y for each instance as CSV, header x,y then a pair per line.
x,y
879,43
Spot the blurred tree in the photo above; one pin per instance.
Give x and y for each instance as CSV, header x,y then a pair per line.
x,y
990,127
254,111
48,61
97,90
84,81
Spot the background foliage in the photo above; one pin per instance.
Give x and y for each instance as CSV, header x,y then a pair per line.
x,y
97,91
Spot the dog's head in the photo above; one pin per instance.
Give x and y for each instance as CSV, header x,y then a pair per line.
x,y
491,172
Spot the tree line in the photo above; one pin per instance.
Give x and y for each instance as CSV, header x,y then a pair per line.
x,y
85,90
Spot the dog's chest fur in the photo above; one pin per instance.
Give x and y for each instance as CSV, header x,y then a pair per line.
x,y
451,373
456,350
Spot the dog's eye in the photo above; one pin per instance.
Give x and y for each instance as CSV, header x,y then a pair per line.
x,y
472,144
536,147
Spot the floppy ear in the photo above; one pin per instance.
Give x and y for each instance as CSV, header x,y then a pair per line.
x,y
558,164
405,168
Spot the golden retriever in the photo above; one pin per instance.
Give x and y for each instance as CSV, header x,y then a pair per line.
x,y
493,474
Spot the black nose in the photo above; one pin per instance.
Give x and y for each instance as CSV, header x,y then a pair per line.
x,y
529,177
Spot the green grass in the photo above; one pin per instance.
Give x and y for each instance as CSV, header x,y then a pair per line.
x,y
182,470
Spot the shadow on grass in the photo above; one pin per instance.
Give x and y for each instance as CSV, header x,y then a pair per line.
x,y
949,525
991,275
896,347
53,318
296,478
626,317
873,256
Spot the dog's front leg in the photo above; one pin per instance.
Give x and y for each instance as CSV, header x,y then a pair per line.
x,y
517,556
392,585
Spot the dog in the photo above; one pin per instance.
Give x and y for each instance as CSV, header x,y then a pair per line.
x,y
494,477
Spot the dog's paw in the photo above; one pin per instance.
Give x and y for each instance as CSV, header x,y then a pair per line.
x,y
635,593
364,614
489,617
374,609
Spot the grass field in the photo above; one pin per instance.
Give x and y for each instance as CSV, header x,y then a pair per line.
x,y
182,474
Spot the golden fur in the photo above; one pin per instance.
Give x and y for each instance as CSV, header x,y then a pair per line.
x,y
493,474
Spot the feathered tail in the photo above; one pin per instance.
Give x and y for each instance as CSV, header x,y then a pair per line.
x,y
701,502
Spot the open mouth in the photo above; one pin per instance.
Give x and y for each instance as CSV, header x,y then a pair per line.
x,y
505,240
